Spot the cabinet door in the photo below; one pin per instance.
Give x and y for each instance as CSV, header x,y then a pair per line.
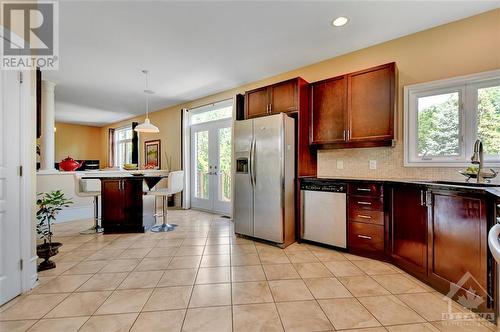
x,y
256,103
112,204
132,196
283,97
409,228
371,104
458,242
329,111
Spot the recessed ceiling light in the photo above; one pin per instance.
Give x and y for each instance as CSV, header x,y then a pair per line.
x,y
340,21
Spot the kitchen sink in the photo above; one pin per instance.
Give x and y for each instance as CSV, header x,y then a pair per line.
x,y
465,184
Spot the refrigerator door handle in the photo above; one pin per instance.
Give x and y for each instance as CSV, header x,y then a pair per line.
x,y
250,162
254,176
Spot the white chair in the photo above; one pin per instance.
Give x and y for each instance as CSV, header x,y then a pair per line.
x,y
89,188
175,185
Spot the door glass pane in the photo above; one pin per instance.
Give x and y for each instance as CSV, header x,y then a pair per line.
x,y
225,164
488,120
215,114
438,125
201,164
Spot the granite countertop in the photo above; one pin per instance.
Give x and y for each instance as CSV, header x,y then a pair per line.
x,y
451,185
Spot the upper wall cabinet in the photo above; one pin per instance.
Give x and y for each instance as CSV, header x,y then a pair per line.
x,y
354,110
273,99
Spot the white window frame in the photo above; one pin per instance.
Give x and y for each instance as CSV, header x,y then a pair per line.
x,y
466,86
117,143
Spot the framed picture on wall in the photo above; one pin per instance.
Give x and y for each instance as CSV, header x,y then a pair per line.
x,y
152,154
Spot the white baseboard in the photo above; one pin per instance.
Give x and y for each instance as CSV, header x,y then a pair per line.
x,y
76,213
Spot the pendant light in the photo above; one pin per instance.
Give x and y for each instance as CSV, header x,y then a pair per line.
x,y
147,126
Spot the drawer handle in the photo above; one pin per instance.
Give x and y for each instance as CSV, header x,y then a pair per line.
x,y
364,203
365,237
363,189
364,216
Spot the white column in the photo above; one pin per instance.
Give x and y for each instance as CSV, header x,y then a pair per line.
x,y
47,141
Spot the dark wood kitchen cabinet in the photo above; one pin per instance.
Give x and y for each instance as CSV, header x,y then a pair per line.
x,y
354,110
458,248
257,103
408,245
122,205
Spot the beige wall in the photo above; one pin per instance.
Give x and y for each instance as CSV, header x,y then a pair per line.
x,y
77,141
463,47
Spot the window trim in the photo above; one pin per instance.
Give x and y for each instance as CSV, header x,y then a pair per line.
x,y
468,129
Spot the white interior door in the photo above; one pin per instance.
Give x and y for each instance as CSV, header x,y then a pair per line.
x,y
10,185
211,166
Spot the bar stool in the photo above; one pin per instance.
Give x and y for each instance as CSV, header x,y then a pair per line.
x,y
175,185
89,188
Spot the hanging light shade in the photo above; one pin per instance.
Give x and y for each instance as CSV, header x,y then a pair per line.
x,y
147,126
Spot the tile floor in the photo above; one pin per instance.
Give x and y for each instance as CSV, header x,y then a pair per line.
x,y
203,278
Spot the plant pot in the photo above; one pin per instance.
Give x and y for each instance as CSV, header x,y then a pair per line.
x,y
45,251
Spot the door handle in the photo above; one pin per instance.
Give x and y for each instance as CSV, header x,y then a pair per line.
x,y
363,189
250,162
364,203
366,237
364,216
253,163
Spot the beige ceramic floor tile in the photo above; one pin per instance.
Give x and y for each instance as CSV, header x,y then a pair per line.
x,y
185,262
398,284
109,323
215,260
63,284
125,301
243,249
216,319
16,325
466,326
212,275
363,286
169,298
248,259
280,272
312,270
89,267
431,306
328,255
120,265
303,316
103,281
134,253
196,241
71,324
159,252
104,254
373,267
32,306
60,268
153,264
289,290
179,277
301,257
348,314
327,288
146,279
190,251
343,269
247,273
423,327
211,295
273,258
251,292
79,304
222,249
159,321
256,317
389,310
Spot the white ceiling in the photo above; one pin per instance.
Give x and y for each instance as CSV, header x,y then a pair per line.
x,y
194,49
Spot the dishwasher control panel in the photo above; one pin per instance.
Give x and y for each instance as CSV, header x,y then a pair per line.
x,y
323,185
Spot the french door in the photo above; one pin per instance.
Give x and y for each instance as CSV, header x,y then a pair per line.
x,y
211,166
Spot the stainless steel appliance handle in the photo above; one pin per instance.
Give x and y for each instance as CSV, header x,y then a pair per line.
x,y
250,162
254,176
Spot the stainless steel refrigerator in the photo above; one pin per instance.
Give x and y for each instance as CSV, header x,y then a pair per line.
x,y
264,178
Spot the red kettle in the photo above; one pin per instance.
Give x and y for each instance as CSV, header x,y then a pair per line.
x,y
69,165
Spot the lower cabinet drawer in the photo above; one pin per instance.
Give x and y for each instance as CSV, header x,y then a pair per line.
x,y
367,216
366,236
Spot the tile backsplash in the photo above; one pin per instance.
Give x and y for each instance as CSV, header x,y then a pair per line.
x,y
390,165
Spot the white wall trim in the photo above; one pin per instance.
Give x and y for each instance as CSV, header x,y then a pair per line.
x,y
186,158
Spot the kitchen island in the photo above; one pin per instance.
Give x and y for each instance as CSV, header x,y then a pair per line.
x,y
122,202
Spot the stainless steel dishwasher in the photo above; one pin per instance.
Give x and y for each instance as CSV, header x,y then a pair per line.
x,y
323,212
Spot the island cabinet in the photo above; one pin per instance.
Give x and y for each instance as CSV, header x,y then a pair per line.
x,y
122,205
291,97
354,110
439,235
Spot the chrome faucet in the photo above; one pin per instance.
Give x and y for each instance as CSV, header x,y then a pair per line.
x,y
477,159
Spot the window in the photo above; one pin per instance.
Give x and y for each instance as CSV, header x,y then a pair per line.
x,y
123,143
443,119
212,112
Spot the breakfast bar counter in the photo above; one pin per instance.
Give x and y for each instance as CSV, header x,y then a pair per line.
x,y
122,202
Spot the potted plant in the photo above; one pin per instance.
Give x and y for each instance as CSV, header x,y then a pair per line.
x,y
49,205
